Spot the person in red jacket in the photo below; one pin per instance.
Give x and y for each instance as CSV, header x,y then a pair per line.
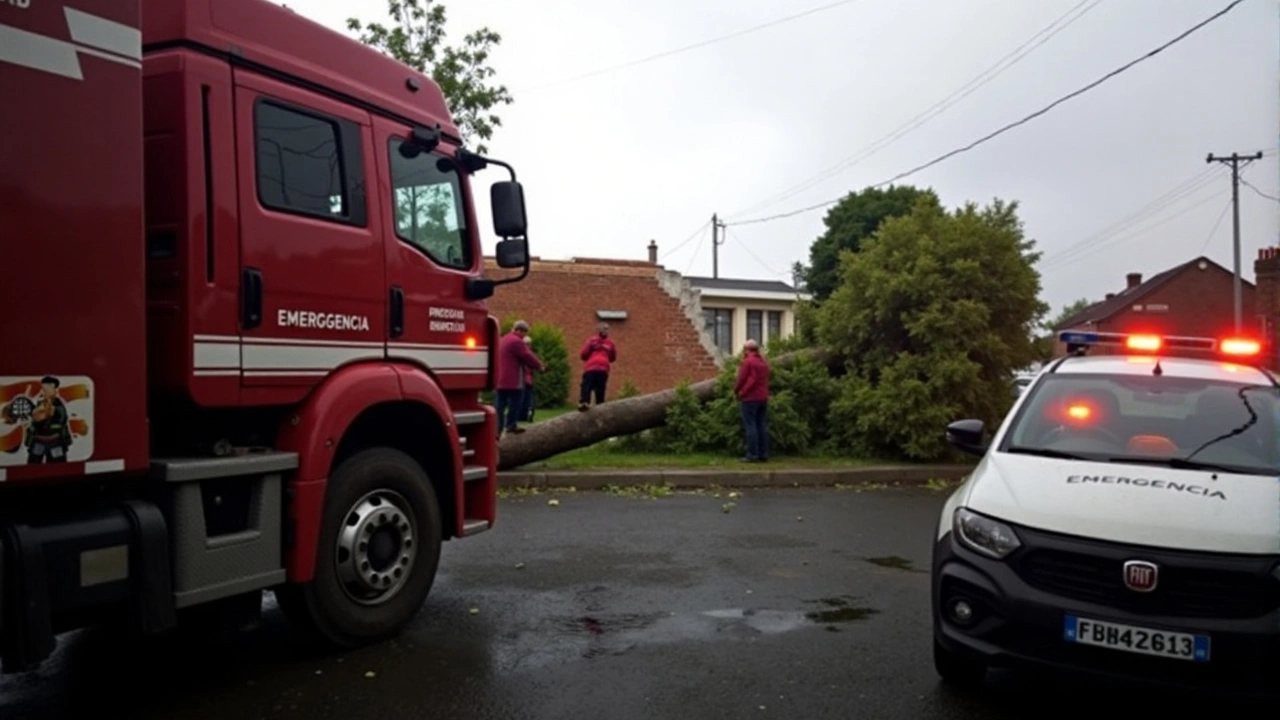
x,y
752,390
514,356
598,352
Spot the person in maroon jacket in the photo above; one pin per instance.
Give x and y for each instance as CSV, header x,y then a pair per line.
x,y
752,390
514,356
598,352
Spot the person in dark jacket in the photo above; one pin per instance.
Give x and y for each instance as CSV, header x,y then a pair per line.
x,y
526,412
752,391
514,356
598,352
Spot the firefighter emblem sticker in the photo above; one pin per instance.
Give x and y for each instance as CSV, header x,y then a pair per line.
x,y
45,419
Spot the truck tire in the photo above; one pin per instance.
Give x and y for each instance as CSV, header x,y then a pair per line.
x,y
378,552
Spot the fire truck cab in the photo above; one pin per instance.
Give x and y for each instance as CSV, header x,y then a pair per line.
x,y
245,331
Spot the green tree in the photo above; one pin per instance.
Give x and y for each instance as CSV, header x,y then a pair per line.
x,y
1046,341
416,38
934,314
551,386
849,223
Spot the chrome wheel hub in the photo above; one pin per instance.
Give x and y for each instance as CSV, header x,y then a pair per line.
x,y
376,547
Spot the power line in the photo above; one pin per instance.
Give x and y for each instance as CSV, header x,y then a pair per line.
x,y
692,236
1216,224
701,44
1120,240
923,117
996,133
1180,192
755,257
702,237
1252,187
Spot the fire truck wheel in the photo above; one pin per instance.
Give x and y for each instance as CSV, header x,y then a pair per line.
x,y
378,553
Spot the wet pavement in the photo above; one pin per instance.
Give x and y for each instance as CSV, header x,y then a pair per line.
x,y
779,603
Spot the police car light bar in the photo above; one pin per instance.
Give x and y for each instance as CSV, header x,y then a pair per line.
x,y
1146,343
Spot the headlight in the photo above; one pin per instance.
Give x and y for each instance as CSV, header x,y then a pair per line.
x,y
987,536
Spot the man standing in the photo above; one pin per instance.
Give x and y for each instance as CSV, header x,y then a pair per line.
x,y
752,389
597,355
514,356
526,408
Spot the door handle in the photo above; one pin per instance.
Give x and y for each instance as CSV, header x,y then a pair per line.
x,y
250,298
397,312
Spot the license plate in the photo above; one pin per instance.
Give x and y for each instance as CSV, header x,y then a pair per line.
x,y
1144,641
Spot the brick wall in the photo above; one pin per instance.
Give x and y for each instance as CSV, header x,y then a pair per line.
x,y
1200,303
1267,301
659,343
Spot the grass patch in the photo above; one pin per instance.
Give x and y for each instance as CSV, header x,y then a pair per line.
x,y
543,414
605,455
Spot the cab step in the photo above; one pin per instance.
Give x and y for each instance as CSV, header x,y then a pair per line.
x,y
474,527
469,417
474,472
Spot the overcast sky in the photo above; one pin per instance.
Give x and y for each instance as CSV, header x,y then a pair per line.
x,y
652,150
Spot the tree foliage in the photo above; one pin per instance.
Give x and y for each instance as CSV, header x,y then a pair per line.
x,y
849,223
934,314
1046,342
416,37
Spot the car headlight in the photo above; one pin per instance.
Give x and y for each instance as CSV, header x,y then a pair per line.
x,y
989,537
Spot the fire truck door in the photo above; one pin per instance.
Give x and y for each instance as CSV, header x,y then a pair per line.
x,y
312,269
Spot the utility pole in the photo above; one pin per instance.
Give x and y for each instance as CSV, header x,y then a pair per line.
x,y
1235,160
716,241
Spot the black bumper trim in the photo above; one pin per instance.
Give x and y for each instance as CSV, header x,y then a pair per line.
x,y
41,588
1017,625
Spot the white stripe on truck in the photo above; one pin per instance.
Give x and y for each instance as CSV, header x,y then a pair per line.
x,y
90,35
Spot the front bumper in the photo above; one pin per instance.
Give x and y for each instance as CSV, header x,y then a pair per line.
x,y
1018,624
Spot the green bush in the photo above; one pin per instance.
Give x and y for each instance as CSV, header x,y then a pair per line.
x,y
550,387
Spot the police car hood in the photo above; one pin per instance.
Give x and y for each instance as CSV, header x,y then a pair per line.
x,y
1131,503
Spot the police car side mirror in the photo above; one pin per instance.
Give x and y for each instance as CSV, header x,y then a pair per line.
x,y
967,435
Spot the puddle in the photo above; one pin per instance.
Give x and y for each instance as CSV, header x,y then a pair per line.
x,y
600,635
891,561
841,615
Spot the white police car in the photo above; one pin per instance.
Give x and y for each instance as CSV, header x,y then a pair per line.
x,y
1124,519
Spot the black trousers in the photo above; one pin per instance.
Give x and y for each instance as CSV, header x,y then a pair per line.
x,y
593,383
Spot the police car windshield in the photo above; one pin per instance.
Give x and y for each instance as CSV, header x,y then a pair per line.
x,y
1182,422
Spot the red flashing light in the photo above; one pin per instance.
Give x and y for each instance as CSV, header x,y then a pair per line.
x,y
1240,347
1078,411
471,342
1145,343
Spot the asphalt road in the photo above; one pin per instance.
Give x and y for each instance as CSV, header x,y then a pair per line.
x,y
793,604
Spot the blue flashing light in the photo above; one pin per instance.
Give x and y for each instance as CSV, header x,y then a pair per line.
x,y
1075,337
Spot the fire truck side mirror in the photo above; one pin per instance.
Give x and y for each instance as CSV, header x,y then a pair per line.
x,y
512,253
506,198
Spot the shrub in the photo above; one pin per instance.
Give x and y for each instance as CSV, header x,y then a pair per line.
x,y
550,387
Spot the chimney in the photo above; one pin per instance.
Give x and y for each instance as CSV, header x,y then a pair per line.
x,y
1134,279
1109,296
653,251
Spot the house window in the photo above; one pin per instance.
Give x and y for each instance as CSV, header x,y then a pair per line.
x,y
719,325
308,163
775,325
755,325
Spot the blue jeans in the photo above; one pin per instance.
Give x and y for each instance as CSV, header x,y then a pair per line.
x,y
508,404
526,406
755,420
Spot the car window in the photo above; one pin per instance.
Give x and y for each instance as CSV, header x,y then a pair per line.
x,y
429,214
1118,418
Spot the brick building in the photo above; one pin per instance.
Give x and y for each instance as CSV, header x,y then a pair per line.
x,y
1195,299
654,316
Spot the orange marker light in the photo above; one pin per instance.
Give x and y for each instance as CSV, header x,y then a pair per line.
x,y
1079,412
471,343
1149,343
1240,346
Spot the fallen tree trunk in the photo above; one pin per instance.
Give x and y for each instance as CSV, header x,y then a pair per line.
x,y
612,419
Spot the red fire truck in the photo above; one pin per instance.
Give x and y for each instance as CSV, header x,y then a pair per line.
x,y
244,331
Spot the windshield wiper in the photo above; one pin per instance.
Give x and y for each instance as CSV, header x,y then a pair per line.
x,y
1176,463
1046,452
